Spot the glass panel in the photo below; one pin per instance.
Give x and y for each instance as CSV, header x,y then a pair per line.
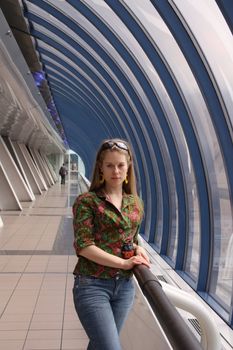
x,y
193,243
215,40
206,135
158,31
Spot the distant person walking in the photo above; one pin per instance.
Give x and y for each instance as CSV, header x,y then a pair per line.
x,y
63,172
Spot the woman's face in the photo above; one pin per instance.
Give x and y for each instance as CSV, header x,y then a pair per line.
x,y
114,168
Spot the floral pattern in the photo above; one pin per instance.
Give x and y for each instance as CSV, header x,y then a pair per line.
x,y
97,221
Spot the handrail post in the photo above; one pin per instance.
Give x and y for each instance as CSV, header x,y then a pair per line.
x,y
175,328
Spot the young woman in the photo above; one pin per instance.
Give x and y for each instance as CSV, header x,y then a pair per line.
x,y
106,224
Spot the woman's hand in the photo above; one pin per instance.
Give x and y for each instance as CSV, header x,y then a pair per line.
x,y
101,257
128,264
142,252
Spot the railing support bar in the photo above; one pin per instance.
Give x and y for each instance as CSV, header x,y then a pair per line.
x,y
175,328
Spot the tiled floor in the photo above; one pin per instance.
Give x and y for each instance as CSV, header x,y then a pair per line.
x,y
36,263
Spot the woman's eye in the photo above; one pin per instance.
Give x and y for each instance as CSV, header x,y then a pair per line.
x,y
113,166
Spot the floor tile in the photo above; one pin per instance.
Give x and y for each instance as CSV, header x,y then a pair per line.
x,y
11,344
44,334
42,344
74,344
13,335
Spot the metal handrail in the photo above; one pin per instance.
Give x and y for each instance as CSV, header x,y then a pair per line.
x,y
210,336
85,180
175,328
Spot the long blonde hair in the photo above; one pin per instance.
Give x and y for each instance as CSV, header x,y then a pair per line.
x,y
130,186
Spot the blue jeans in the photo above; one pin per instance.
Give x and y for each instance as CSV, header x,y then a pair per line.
x,y
102,306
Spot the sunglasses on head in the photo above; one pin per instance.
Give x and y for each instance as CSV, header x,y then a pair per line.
x,y
111,144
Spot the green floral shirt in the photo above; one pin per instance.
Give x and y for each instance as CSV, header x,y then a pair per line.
x,y
98,222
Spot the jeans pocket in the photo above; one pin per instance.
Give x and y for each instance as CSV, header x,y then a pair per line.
x,y
76,283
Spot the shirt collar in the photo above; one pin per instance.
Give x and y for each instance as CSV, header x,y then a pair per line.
x,y
126,200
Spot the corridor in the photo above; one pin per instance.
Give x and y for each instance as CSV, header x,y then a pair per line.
x,y
36,263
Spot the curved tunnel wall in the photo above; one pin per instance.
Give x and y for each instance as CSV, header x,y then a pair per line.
x,y
158,75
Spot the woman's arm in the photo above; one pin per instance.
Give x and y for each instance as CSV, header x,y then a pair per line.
x,y
101,257
139,250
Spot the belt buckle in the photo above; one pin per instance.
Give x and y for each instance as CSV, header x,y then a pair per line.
x,y
117,276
